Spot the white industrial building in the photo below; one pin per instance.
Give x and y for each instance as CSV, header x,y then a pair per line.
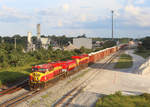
x,y
43,42
30,45
85,42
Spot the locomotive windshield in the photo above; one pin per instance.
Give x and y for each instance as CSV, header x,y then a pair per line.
x,y
43,70
34,69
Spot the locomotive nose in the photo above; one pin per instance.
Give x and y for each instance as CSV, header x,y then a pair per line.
x,y
36,77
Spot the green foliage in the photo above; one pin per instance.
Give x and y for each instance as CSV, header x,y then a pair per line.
x,y
146,43
0,83
96,39
124,40
118,93
82,36
82,50
144,53
109,43
118,100
13,61
147,96
144,48
98,49
140,48
60,40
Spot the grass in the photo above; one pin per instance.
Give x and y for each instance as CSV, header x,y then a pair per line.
x,y
145,54
125,61
119,100
12,74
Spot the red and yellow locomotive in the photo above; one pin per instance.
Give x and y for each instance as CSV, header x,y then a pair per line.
x,y
46,72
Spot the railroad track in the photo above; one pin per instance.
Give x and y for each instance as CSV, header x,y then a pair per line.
x,y
14,88
24,96
72,94
67,98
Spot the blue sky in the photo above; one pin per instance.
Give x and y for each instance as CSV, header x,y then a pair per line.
x,y
75,17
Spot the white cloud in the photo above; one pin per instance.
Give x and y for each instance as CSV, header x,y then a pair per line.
x,y
65,7
132,10
60,24
74,12
140,2
83,17
12,15
70,14
136,15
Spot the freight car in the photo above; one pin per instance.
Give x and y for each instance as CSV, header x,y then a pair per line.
x,y
41,74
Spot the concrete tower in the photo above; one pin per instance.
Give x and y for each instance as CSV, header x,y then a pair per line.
x,y
38,32
30,45
29,38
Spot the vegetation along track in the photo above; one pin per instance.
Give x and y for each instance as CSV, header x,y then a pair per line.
x,y
14,88
67,98
74,92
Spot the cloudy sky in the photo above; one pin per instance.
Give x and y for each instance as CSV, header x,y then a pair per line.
x,y
75,17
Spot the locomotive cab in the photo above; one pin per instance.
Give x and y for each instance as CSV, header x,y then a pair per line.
x,y
37,78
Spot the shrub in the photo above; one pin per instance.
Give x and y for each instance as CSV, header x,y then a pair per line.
x,y
146,42
109,43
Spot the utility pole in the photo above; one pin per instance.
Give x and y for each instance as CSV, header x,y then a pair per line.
x,y
112,24
15,42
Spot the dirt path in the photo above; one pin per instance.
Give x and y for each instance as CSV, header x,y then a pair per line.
x,y
111,80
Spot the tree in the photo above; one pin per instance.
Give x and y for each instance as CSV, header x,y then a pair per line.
x,y
82,36
124,40
146,42
109,43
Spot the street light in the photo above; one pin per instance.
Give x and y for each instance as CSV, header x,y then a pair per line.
x,y
112,24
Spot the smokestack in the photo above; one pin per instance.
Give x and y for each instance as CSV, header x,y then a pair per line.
x,y
29,37
38,32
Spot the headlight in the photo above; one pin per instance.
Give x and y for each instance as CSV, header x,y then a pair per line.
x,y
64,70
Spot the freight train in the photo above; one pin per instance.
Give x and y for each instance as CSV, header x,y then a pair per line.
x,y
44,73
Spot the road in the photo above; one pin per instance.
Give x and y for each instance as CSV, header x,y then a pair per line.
x,y
111,80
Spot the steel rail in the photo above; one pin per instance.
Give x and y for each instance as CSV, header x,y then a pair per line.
x,y
23,97
67,98
14,88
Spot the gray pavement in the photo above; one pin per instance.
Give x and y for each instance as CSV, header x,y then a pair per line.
x,y
108,81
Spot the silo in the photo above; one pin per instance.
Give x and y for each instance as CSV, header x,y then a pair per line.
x,y
29,37
38,32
